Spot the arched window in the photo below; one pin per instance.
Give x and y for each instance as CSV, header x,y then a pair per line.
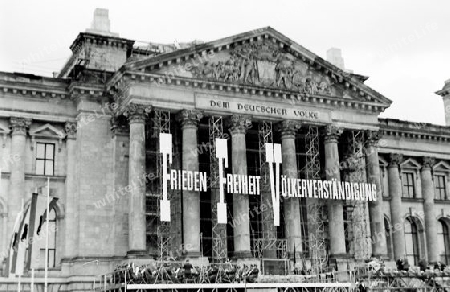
x,y
411,242
51,241
443,242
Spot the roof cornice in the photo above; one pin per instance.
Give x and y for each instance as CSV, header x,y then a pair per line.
x,y
158,79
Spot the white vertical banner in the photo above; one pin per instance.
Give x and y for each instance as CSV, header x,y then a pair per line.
x,y
165,147
222,156
273,156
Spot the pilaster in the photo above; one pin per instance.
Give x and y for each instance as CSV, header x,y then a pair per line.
x,y
379,248
291,205
19,128
137,113
335,207
395,192
71,228
189,120
431,223
241,236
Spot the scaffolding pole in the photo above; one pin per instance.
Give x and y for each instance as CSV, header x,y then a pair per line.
x,y
357,232
316,209
219,236
161,124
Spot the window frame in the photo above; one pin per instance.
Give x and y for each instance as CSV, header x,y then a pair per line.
x,y
53,232
439,189
415,240
44,159
444,231
405,180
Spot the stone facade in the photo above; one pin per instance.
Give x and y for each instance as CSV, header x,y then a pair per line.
x,y
101,118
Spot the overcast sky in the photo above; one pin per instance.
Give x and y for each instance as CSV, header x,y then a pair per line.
x,y
403,46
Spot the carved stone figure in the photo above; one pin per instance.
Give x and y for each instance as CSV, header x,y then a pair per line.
x,y
264,64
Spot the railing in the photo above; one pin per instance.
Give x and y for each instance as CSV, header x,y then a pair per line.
x,y
174,273
278,246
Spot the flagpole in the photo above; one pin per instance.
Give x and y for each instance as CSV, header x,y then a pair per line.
x,y
32,269
46,236
32,279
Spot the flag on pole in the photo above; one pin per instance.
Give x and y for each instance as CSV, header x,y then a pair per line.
x,y
12,241
36,239
18,243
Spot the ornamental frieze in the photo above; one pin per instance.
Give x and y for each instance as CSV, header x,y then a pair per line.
x,y
263,64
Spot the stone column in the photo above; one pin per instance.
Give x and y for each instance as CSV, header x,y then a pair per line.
x,y
191,199
379,248
395,192
291,205
431,223
71,228
241,231
17,179
137,244
335,207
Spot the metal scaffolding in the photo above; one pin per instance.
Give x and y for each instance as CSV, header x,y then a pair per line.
x,y
269,242
219,236
316,209
265,135
357,233
161,124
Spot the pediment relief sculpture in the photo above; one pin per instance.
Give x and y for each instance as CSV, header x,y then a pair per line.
x,y
263,64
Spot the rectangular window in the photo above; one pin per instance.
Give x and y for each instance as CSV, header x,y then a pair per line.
x,y
439,187
45,158
408,185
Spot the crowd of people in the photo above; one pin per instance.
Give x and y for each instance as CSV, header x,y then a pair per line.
x,y
176,272
404,269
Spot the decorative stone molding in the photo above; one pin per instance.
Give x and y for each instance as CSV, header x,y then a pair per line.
x,y
373,137
46,131
189,118
289,128
441,166
19,125
71,130
4,131
238,124
428,162
395,159
136,113
332,133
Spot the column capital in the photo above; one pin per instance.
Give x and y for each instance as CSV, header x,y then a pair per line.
x,y
373,137
239,124
19,125
136,112
427,162
288,128
71,130
189,118
119,125
331,133
395,159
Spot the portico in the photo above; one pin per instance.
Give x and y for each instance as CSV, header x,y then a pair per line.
x,y
298,92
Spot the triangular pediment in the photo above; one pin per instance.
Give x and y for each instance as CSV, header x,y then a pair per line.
x,y
47,131
410,163
261,58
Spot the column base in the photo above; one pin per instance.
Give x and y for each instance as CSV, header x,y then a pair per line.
x,y
381,256
133,254
243,254
341,256
192,254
